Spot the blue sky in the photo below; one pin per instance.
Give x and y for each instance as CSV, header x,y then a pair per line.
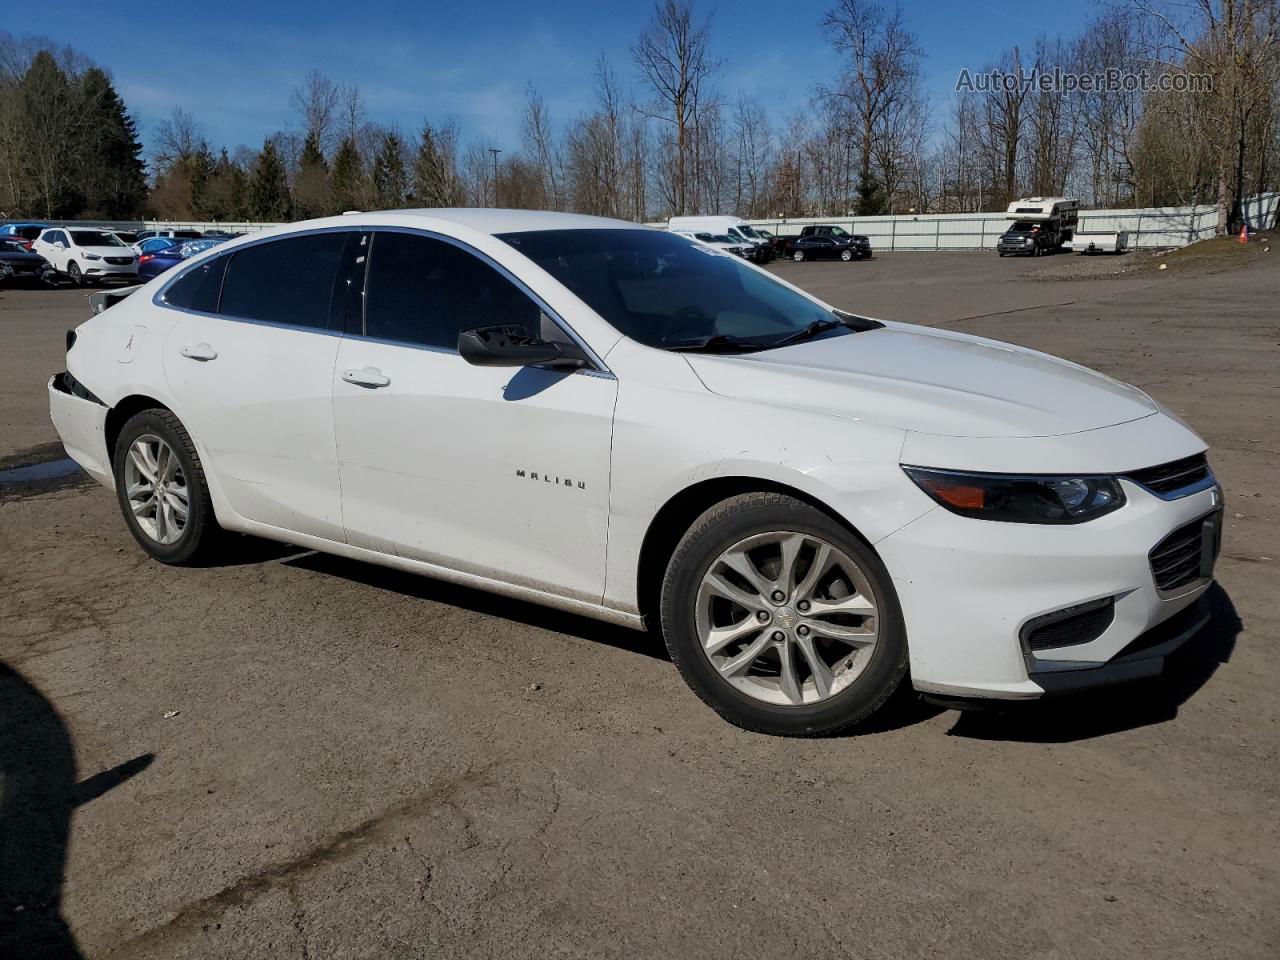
x,y
233,64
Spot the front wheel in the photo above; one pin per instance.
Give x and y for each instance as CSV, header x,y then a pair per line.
x,y
73,272
781,620
162,490
846,255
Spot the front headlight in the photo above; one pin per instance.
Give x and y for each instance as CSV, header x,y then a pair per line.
x,y
1020,499
90,256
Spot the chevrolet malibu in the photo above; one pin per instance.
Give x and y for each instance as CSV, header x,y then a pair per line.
x,y
814,508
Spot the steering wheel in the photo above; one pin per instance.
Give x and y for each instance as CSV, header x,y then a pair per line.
x,y
687,322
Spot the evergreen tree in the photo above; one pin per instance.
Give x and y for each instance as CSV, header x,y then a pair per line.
x,y
268,189
347,183
433,176
225,194
200,171
53,135
311,185
110,170
390,181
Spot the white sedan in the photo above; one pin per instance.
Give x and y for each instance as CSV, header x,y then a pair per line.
x,y
814,508
85,255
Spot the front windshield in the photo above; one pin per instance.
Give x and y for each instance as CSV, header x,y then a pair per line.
x,y
746,231
1022,226
95,238
665,291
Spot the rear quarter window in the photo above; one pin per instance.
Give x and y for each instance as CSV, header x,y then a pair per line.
x,y
199,287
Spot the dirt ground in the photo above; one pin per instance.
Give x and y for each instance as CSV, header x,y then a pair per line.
x,y
293,755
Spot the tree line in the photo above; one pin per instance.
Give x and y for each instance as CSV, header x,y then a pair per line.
x,y
662,136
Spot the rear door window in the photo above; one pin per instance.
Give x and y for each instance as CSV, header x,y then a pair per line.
x,y
288,281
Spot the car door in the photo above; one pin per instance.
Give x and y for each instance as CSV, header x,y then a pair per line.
x,y
52,245
502,472
251,361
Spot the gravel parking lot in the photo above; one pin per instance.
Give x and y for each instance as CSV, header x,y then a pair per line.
x,y
296,755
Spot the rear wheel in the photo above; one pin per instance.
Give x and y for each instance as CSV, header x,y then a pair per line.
x,y
798,256
162,491
782,620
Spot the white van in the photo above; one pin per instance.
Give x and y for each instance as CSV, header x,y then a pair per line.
x,y
732,227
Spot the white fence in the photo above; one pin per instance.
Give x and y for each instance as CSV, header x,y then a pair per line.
x,y
1147,226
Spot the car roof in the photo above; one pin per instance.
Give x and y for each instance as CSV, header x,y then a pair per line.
x,y
496,220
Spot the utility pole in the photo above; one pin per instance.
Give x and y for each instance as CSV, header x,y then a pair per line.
x,y
495,151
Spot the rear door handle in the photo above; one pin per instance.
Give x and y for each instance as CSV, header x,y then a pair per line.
x,y
199,351
366,377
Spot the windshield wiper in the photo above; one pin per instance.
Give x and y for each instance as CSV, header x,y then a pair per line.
x,y
809,332
717,343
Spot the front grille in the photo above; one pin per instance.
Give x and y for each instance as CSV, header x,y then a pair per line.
x,y
120,261
1169,478
1083,623
1187,554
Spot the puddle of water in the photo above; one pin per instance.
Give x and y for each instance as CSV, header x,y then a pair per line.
x,y
36,472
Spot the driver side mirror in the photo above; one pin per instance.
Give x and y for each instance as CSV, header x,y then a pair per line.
x,y
507,346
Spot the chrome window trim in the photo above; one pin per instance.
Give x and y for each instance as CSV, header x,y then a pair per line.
x,y
599,367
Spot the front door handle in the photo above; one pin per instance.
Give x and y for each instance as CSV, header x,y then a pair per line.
x,y
199,351
366,377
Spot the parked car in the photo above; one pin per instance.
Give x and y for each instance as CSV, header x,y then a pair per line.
x,y
803,501
127,237
169,232
819,247
731,227
17,263
721,242
1026,238
86,256
152,245
859,244
24,233
151,265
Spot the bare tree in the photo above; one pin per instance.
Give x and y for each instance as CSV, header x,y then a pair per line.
x,y
539,144
882,69
317,102
178,138
674,60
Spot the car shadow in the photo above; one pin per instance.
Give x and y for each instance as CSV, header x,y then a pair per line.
x,y
38,794
1119,708
489,604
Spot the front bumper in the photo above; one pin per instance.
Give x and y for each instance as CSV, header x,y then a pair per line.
x,y
968,588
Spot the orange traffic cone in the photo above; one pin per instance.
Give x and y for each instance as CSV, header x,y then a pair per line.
x,y
1244,233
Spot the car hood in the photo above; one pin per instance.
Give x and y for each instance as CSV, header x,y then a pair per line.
x,y
928,381
19,256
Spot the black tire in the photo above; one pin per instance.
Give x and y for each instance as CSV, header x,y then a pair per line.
x,y
718,529
798,256
74,274
201,536
1001,252
846,256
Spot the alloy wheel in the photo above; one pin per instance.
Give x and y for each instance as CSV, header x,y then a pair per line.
x,y
787,618
156,489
